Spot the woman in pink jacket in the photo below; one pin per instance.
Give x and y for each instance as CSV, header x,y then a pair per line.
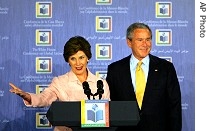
x,y
69,86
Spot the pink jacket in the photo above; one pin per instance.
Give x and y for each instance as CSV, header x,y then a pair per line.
x,y
67,87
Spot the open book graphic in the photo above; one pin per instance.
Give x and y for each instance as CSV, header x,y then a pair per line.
x,y
95,114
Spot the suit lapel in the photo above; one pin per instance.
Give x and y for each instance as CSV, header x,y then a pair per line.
x,y
152,78
153,71
127,82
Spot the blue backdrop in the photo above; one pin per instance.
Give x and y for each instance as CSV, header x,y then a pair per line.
x,y
33,34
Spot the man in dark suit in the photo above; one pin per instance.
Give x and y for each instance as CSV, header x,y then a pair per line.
x,y
161,105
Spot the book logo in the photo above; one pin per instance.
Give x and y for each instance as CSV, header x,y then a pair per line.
x,y
163,37
167,58
101,74
103,51
43,64
95,114
43,37
40,88
1,93
163,9
103,2
42,121
103,24
43,9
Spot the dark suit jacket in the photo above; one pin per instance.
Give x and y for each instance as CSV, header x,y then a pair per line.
x,y
161,107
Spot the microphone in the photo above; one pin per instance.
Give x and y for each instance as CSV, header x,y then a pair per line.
x,y
86,88
100,89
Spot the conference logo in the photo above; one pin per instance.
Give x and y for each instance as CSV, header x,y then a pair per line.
x,y
103,2
40,88
163,37
43,9
44,65
167,58
43,37
103,51
1,93
163,9
103,23
42,121
95,113
101,74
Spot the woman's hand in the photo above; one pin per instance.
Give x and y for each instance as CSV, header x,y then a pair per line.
x,y
20,92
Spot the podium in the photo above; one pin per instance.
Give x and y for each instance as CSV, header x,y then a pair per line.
x,y
122,113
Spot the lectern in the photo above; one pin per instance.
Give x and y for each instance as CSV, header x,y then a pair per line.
x,y
122,113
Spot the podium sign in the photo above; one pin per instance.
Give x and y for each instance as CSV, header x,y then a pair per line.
x,y
94,113
121,113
